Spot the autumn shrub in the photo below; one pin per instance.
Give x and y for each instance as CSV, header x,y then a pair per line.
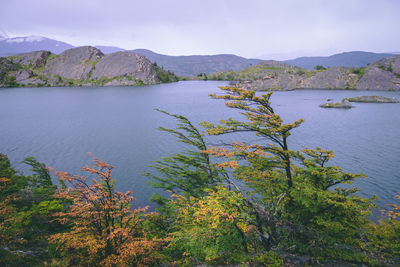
x,y
103,227
384,237
26,207
213,229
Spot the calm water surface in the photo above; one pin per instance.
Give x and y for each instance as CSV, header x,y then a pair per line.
x,y
118,125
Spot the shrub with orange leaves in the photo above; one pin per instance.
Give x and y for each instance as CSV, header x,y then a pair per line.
x,y
394,213
215,228
104,229
384,237
8,215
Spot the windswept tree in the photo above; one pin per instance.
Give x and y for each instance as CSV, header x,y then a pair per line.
x,y
206,221
188,173
104,229
293,188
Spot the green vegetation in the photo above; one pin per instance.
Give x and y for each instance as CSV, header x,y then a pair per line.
x,y
359,71
9,81
384,67
319,67
202,76
372,99
52,56
38,69
163,75
26,209
92,63
247,204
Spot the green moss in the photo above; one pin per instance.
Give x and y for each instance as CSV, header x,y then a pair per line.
x,y
9,81
359,71
300,72
92,63
39,69
52,56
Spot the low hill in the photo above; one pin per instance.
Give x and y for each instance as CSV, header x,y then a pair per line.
x,y
272,75
198,64
109,49
355,59
80,66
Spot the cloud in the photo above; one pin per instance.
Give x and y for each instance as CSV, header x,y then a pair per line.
x,y
249,28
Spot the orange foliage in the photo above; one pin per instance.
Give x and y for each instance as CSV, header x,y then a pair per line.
x,y
104,229
8,218
394,213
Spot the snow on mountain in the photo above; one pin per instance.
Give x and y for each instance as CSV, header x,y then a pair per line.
x,y
17,45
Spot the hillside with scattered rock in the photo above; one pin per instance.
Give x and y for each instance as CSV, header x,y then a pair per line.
x,y
272,75
81,66
189,66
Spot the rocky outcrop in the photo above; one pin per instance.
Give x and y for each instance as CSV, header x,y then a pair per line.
x,y
79,66
372,99
391,64
340,77
75,63
6,65
378,79
343,104
381,75
125,64
34,59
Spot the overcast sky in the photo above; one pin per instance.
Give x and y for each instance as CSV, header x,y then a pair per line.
x,y
251,28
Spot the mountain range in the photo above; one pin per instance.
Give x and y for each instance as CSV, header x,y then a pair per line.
x,y
18,45
198,64
355,59
191,65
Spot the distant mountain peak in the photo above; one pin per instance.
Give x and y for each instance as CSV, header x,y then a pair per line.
x,y
23,44
34,38
29,39
3,35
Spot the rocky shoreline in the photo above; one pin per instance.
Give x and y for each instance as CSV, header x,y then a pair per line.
x,y
273,75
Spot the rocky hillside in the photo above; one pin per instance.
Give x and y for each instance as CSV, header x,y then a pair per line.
x,y
81,66
380,75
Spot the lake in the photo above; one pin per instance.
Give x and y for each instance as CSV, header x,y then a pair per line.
x,y
118,125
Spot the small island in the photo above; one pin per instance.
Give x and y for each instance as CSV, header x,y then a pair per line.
x,y
343,104
372,99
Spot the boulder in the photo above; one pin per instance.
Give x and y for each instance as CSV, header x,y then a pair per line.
x,y
75,63
378,79
338,77
34,59
125,64
391,64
